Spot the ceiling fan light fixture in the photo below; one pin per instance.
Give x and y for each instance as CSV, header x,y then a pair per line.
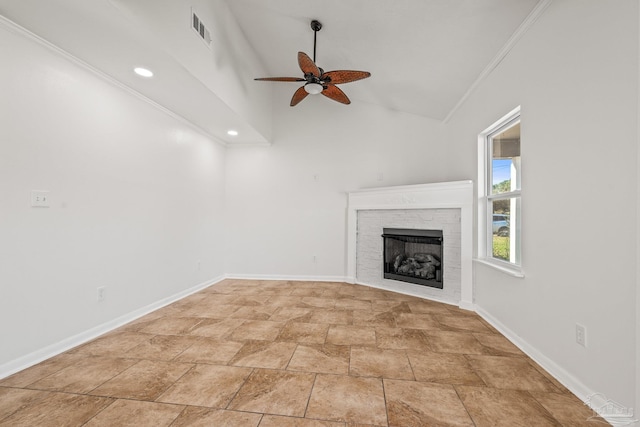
x,y
313,88
317,80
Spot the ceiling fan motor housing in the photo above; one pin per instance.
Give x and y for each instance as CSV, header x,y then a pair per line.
x,y
316,25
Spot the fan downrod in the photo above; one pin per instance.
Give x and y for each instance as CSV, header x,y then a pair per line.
x,y
315,26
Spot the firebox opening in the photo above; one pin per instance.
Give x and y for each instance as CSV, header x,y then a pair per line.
x,y
413,256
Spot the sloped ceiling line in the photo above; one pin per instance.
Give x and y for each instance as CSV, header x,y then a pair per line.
x,y
17,29
522,29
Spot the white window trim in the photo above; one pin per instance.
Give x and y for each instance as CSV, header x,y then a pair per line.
x,y
484,219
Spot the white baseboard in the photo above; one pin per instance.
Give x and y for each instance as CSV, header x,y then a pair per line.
x,y
569,381
342,279
397,291
564,377
285,277
350,280
23,362
467,306
576,386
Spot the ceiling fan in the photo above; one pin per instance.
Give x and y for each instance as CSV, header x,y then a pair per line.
x,y
317,80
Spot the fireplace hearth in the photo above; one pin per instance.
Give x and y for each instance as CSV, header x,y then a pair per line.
x,y
413,256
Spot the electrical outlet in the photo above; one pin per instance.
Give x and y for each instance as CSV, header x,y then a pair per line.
x,y
102,290
581,335
39,199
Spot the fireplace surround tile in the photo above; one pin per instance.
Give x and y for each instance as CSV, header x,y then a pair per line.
x,y
446,206
369,248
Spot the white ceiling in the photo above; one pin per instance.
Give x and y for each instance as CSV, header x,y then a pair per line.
x,y
423,55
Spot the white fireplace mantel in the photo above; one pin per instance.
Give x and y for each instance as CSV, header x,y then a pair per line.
x,y
442,195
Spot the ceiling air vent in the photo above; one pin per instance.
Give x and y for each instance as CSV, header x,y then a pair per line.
x,y
201,29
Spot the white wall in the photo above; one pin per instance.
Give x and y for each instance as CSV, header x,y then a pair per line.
x,y
637,320
575,73
280,216
136,200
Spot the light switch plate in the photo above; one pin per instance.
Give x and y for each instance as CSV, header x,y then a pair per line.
x,y
39,199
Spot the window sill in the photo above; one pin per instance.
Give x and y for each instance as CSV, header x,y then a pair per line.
x,y
514,272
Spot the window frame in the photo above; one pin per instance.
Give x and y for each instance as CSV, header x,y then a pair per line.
x,y
486,198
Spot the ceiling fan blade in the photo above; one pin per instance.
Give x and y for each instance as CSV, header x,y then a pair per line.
x,y
334,92
298,96
307,65
280,79
344,76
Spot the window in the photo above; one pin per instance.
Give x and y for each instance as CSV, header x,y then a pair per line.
x,y
499,188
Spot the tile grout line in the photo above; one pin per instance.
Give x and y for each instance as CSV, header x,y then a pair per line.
x,y
306,408
406,353
286,368
238,390
386,404
455,388
179,415
541,406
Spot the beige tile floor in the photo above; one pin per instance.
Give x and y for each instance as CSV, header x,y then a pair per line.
x,y
303,354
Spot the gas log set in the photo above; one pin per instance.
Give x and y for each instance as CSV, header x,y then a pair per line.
x,y
421,265
413,256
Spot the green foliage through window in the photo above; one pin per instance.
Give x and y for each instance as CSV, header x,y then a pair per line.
x,y
502,187
501,247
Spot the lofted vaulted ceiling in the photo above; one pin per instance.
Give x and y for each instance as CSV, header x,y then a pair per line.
x,y
424,55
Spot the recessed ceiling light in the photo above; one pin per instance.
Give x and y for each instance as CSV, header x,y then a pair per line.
x,y
232,132
143,72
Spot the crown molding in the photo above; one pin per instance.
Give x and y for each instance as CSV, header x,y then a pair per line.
x,y
21,31
533,16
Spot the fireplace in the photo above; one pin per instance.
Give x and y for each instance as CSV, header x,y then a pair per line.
x,y
446,206
413,256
